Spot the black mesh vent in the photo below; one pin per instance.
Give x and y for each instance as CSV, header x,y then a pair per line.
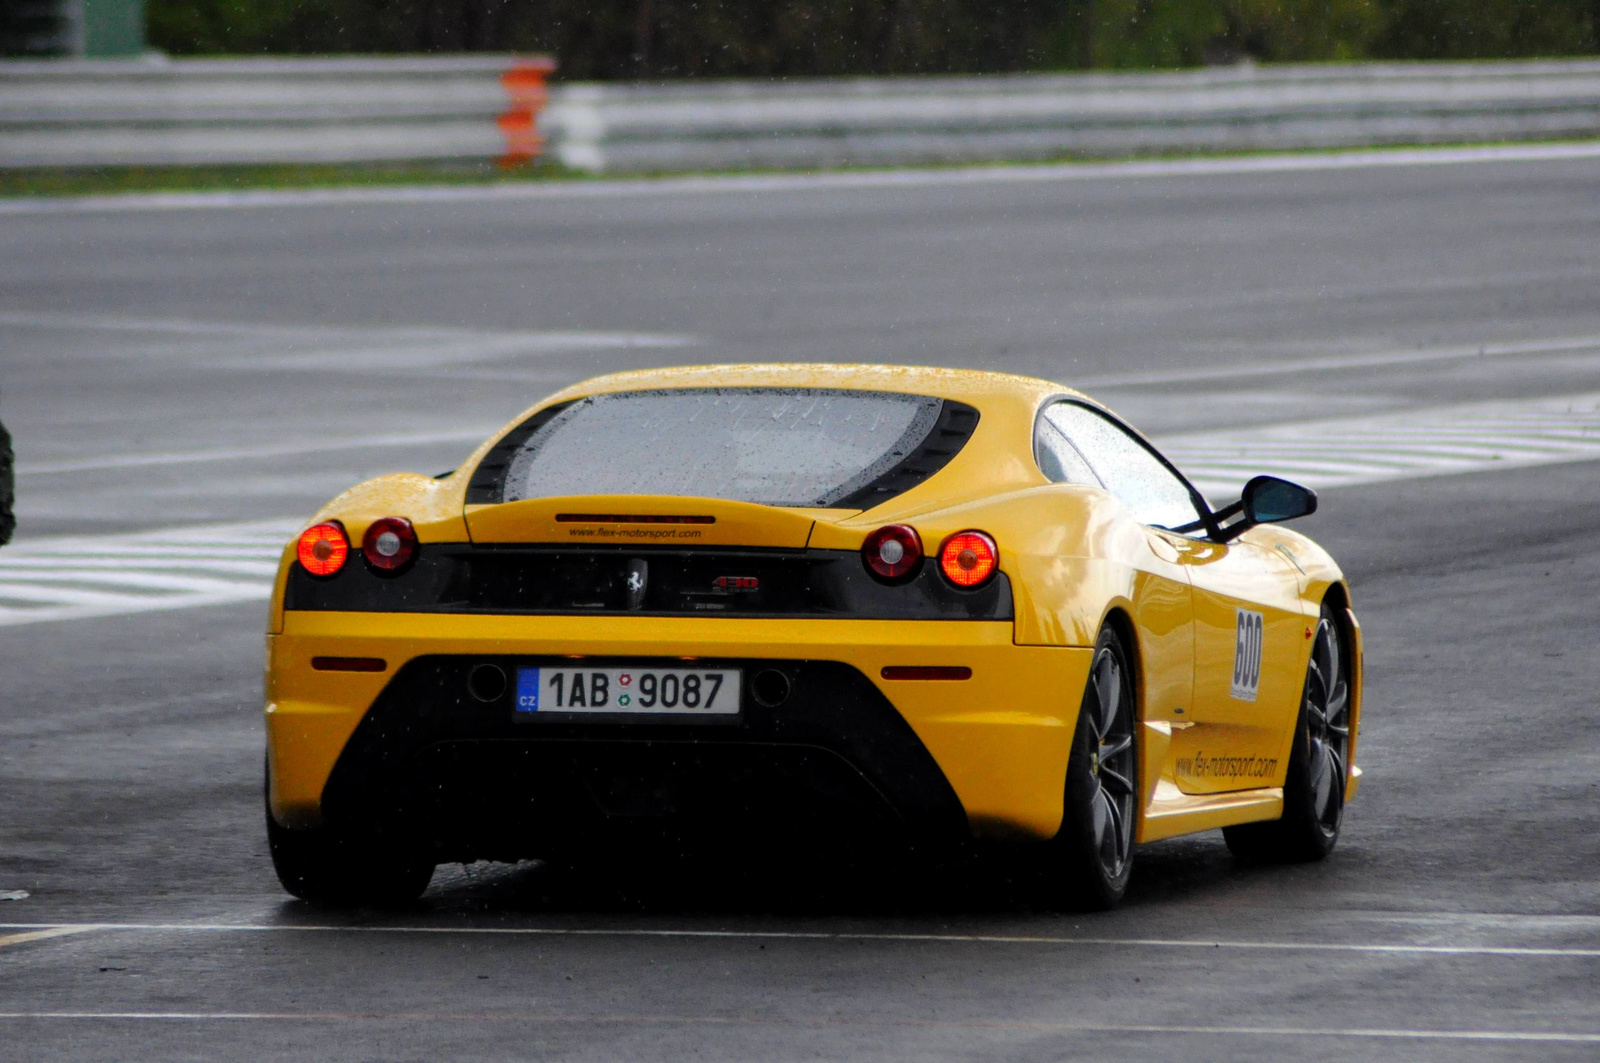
x,y
955,426
488,484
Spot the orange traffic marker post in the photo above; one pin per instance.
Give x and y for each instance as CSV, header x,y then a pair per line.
x,y
525,85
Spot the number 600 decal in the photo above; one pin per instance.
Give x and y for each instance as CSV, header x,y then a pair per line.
x,y
1247,655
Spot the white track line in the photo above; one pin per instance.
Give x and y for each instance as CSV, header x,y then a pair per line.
x,y
386,336
1333,363
1407,444
802,935
318,446
48,568
874,179
263,348
1514,1036
78,577
43,935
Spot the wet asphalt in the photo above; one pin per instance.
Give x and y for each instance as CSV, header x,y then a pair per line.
x,y
1459,917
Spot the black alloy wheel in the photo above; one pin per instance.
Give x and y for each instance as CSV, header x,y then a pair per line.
x,y
1094,849
1327,709
1313,790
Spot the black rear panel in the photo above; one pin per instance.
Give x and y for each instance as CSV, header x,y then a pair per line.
x,y
832,757
721,581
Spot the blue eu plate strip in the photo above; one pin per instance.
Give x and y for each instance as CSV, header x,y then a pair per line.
x,y
527,690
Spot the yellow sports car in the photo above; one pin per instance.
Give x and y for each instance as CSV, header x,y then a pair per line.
x,y
784,601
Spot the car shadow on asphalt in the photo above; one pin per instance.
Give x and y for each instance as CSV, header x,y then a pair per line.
x,y
995,882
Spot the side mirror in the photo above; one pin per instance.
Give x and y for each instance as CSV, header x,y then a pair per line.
x,y
1268,500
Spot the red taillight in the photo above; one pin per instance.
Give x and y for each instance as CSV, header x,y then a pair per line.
x,y
322,548
389,543
968,558
892,552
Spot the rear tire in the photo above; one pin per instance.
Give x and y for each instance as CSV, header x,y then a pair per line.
x,y
339,869
1092,856
1313,789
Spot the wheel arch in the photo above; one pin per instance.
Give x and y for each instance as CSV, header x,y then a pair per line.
x,y
1118,619
1337,598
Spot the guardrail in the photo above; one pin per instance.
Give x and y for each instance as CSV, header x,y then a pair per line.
x,y
882,121
326,110
170,113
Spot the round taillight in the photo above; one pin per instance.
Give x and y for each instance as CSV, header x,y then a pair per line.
x,y
322,548
892,552
968,558
389,544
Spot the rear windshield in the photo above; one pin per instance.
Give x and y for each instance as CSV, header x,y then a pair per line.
x,y
775,446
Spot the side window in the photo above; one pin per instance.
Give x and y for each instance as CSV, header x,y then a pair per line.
x,y
1127,468
1057,458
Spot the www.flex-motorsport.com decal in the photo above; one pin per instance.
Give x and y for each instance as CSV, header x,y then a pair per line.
x,y
1201,766
1247,642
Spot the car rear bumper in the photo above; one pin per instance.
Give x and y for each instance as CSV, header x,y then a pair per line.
x,y
985,755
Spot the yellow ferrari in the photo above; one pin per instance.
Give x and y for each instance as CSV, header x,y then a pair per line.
x,y
786,602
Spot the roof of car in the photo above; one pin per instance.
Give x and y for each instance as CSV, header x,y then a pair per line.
x,y
974,386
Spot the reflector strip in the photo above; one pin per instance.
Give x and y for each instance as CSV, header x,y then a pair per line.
x,y
927,672
620,518
349,664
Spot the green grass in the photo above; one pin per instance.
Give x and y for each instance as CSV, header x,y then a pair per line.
x,y
101,180
111,180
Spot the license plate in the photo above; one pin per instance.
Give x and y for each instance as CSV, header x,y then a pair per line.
x,y
678,691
